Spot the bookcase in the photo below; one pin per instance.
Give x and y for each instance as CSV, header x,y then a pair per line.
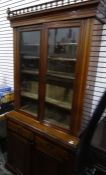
x,y
52,46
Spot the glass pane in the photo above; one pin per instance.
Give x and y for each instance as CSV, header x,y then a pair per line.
x,y
62,50
29,54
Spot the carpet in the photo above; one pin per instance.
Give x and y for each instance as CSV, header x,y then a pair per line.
x,y
3,170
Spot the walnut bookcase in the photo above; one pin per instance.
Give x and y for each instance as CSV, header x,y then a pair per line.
x,y
52,48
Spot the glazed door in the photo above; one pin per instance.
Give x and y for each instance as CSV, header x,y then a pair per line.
x,y
60,75
27,82
30,53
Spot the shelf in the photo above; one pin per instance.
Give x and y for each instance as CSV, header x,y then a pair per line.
x,y
51,73
54,122
30,71
30,57
51,58
58,103
56,44
29,95
29,109
61,59
30,44
60,75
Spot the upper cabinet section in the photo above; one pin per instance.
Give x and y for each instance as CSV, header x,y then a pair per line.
x,y
60,65
52,43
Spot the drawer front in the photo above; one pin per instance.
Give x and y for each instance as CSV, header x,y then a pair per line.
x,y
50,148
20,130
14,127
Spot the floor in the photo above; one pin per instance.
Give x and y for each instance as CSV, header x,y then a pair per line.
x,y
3,170
3,148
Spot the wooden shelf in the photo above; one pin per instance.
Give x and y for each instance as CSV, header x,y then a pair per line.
x,y
58,103
51,58
51,73
31,44
56,44
61,59
35,72
29,95
29,109
60,75
30,57
54,122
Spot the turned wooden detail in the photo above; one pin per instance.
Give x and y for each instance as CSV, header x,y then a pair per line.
x,y
43,6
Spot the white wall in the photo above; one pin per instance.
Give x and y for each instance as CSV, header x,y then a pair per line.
x,y
100,84
6,38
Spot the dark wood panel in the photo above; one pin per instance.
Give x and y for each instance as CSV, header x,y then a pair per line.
x,y
51,148
19,154
44,164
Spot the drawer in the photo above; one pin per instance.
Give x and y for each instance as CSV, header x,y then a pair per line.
x,y
50,148
14,127
20,130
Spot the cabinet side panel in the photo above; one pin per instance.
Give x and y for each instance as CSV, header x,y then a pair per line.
x,y
92,73
81,73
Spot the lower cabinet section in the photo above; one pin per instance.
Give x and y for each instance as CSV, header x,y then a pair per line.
x,y
43,164
51,159
30,153
19,154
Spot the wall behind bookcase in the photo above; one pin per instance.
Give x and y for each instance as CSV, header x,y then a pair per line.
x,y
6,38
96,80
95,89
